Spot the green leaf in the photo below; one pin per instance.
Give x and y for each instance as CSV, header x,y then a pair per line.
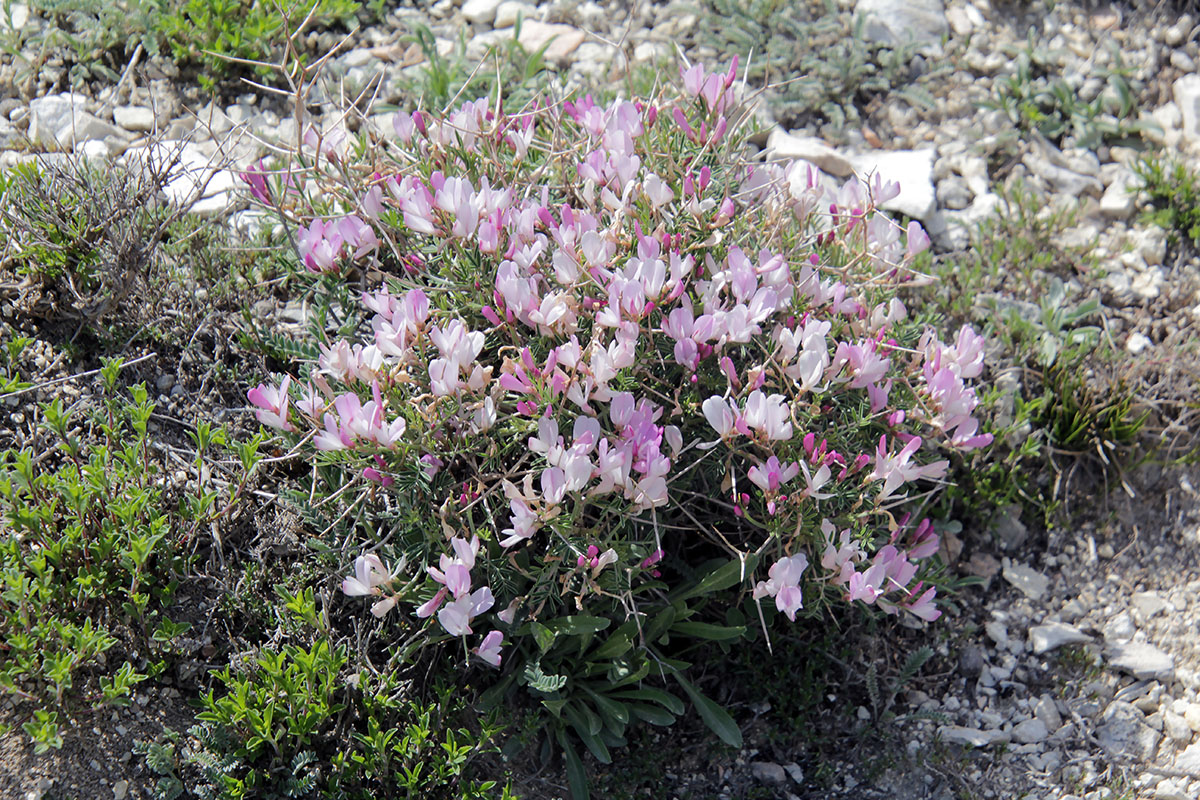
x,y
542,635
729,574
715,717
703,630
659,625
576,776
577,624
610,709
650,694
614,646
587,726
652,714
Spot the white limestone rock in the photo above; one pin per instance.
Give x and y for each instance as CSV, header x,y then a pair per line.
x,y
134,118
912,169
480,12
781,144
902,21
971,737
559,40
1187,99
1029,581
1142,660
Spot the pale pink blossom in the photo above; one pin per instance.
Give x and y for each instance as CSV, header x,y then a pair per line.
x,y
272,404
489,648
783,584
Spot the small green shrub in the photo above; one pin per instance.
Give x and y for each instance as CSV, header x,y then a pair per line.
x,y
299,722
816,57
83,237
88,559
1024,286
1174,197
98,38
579,356
92,549
95,38
212,32
1034,99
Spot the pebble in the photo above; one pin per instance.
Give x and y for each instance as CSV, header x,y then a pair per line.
x,y
1047,711
1142,660
900,21
1176,727
971,737
1138,343
480,11
1030,582
1189,761
134,118
508,12
1122,731
1051,636
1030,731
1148,604
912,169
781,144
1120,628
559,40
1191,716
768,773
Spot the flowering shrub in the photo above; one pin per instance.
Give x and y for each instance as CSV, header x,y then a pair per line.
x,y
621,373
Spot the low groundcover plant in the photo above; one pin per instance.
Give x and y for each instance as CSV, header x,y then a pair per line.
x,y
629,374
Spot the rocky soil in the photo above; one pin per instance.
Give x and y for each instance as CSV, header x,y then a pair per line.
x,y
1075,667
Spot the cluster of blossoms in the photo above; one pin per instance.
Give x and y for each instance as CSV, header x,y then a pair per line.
x,y
614,312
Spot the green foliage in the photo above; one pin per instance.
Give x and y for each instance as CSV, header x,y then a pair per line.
x,y
597,648
87,559
289,696
95,37
507,66
296,724
211,32
1174,197
594,684
816,57
83,236
1057,392
1034,99
10,368
162,760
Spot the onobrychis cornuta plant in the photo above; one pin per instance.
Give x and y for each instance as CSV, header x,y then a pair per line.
x,y
616,348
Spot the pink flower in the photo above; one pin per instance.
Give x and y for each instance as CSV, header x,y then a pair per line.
x,y
769,415
489,649
320,246
895,470
784,584
369,576
510,612
256,176
923,606
456,617
771,475
719,415
272,404
918,240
